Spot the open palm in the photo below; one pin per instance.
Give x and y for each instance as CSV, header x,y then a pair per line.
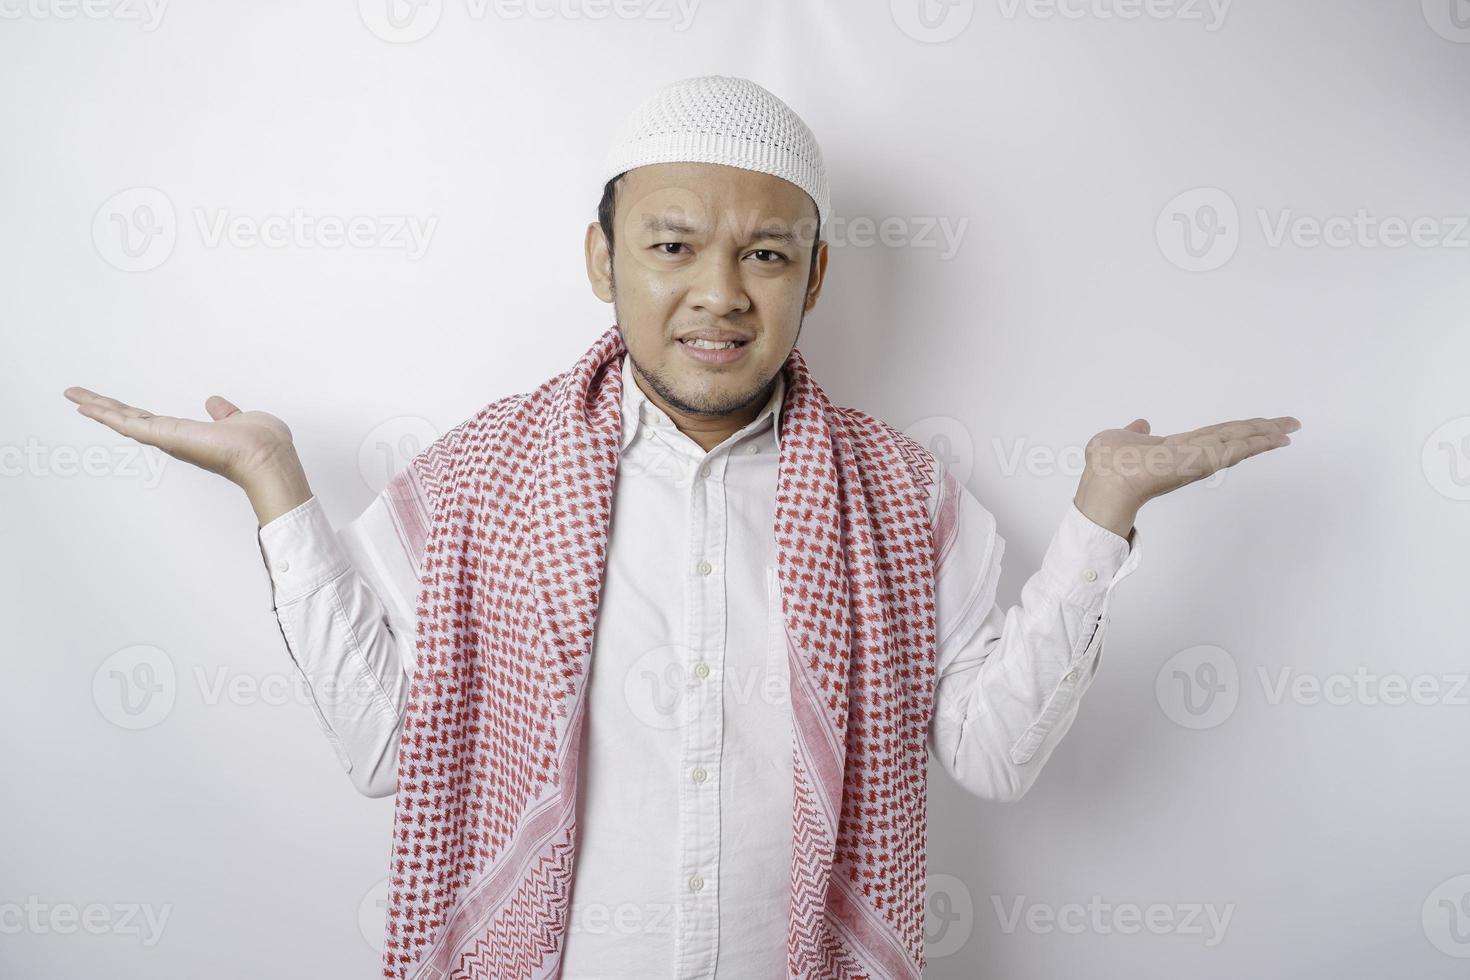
x,y
233,445
1147,465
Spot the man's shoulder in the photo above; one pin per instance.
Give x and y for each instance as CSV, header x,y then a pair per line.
x,y
490,430
948,503
518,409
522,404
880,434
882,441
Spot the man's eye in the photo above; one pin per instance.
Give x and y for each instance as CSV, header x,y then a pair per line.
x,y
669,245
767,251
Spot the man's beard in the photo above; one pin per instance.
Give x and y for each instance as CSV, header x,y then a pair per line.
x,y
727,406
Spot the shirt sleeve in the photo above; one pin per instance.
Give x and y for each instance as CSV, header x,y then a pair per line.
x,y
345,604
1008,681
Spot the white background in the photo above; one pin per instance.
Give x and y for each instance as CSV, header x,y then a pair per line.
x,y
1057,141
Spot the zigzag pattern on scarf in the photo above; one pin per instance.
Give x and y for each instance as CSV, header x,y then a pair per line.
x,y
541,900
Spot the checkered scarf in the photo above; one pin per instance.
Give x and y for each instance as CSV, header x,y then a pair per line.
x,y
508,513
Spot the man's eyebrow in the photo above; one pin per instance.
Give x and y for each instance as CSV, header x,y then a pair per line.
x,y
775,233
678,226
668,223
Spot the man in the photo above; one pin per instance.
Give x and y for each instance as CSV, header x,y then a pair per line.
x,y
652,654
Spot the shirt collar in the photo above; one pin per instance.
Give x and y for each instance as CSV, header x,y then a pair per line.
x,y
637,409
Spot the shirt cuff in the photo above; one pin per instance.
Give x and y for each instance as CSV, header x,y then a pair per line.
x,y
301,551
1085,560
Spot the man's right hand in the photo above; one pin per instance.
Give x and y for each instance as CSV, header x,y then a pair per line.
x,y
251,449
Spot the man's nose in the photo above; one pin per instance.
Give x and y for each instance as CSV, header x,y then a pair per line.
x,y
717,288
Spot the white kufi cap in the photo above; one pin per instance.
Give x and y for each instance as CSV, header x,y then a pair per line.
x,y
722,119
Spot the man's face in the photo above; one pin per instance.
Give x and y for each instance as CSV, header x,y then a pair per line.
x,y
701,246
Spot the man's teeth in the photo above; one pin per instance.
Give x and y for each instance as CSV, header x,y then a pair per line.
x,y
711,344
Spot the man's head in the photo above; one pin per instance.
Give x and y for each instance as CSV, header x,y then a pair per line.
x,y
686,245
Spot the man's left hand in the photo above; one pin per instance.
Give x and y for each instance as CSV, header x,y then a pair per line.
x,y
1128,467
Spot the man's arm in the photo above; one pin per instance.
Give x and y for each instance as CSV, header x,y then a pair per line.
x,y
351,651
344,602
1008,692
1009,681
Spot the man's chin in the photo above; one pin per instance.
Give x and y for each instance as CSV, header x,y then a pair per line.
x,y
698,396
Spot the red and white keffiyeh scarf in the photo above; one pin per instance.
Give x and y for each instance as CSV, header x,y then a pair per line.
x,y
509,512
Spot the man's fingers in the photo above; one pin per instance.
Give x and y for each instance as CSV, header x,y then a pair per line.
x,y
164,431
85,397
1252,445
131,422
1218,454
1235,429
1245,427
1213,437
1216,447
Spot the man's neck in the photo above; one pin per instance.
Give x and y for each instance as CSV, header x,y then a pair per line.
x,y
706,430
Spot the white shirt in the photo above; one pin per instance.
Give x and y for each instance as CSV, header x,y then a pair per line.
x,y
684,815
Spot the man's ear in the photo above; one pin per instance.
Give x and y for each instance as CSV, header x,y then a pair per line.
x,y
818,274
599,262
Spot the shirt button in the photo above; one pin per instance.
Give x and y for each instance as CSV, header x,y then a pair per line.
x,y
752,448
705,568
282,565
700,775
1072,674
704,471
1089,575
701,670
696,883
647,431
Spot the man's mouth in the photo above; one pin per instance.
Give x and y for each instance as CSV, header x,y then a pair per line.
x,y
712,344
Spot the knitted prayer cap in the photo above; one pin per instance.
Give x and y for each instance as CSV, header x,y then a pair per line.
x,y
722,119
